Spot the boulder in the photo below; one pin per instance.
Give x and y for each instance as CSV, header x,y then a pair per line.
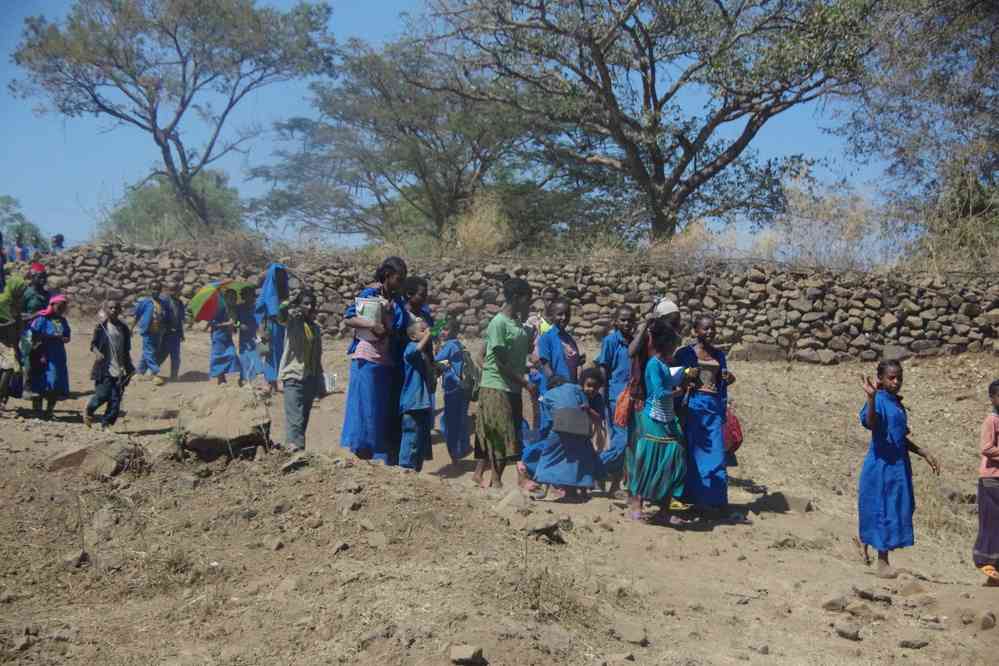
x,y
224,421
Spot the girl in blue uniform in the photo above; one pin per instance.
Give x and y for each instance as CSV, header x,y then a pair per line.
x,y
885,501
223,358
615,362
454,421
273,292
704,420
49,373
371,422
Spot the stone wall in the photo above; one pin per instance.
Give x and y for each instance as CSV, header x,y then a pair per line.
x,y
764,311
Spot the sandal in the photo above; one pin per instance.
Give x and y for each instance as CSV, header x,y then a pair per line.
x,y
990,571
637,516
539,493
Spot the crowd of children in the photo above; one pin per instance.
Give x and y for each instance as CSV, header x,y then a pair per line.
x,y
647,415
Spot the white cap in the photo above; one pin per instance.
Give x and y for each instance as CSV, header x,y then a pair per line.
x,y
665,307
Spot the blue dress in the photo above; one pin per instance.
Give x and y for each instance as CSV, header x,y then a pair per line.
x,y
49,373
550,351
616,362
704,428
266,312
885,501
415,410
150,317
249,358
454,420
566,460
371,421
223,359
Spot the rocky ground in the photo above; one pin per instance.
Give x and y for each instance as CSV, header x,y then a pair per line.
x,y
120,554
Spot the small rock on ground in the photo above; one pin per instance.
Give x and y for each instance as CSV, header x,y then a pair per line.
x,y
467,655
988,621
848,630
913,643
836,604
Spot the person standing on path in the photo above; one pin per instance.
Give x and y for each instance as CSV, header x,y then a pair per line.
x,y
301,369
498,432
173,336
371,424
885,499
151,321
112,343
37,295
986,550
454,420
223,358
273,292
48,376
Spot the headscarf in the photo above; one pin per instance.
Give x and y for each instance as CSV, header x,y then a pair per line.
x,y
50,310
268,297
665,307
36,268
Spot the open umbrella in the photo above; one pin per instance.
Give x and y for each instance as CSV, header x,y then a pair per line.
x,y
208,300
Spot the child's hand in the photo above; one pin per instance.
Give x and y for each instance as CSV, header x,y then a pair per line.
x,y
870,387
378,330
932,462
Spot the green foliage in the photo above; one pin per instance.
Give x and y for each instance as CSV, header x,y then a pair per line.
x,y
388,153
14,224
151,214
159,65
613,87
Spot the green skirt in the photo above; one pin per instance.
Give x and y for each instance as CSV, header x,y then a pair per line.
x,y
656,461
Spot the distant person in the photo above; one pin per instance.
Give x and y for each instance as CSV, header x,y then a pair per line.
x,y
58,243
273,292
11,328
112,345
415,403
986,550
704,419
173,334
886,501
371,417
48,375
223,359
249,357
20,251
454,420
301,370
498,428
615,362
151,321
37,295
538,322
415,294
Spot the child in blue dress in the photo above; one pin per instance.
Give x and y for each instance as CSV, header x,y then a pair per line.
x,y
454,421
223,358
704,419
885,501
557,352
615,362
49,372
568,462
414,402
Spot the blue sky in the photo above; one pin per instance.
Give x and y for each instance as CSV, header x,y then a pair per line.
x,y
66,172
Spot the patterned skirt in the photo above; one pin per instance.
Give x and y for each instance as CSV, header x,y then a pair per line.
x,y
656,463
498,426
986,549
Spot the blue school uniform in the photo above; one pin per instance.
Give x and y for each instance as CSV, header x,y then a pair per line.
x,y
173,336
371,422
250,364
49,373
415,410
566,460
616,362
223,358
550,351
885,499
266,312
704,429
151,321
454,420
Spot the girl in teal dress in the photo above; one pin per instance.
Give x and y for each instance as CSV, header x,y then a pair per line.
x,y
656,461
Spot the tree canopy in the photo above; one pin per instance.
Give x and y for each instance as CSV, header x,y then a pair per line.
x,y
15,224
161,65
668,94
151,214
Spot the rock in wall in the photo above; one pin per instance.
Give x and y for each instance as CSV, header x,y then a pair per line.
x,y
762,311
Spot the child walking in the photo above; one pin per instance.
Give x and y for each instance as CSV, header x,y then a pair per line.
x,y
986,551
112,343
418,382
615,363
454,421
49,374
558,354
301,369
885,500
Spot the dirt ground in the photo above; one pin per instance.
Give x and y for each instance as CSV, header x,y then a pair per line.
x,y
235,563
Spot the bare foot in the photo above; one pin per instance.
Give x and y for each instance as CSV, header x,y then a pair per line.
x,y
862,551
886,571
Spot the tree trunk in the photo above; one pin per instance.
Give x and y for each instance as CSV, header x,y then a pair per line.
x,y
664,220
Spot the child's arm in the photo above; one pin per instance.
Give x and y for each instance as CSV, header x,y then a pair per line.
x,y
639,340
990,439
924,454
511,375
424,342
871,389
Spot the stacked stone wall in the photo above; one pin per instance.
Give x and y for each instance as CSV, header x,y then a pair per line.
x,y
762,310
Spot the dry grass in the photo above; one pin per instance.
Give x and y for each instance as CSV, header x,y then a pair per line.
x,y
483,228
